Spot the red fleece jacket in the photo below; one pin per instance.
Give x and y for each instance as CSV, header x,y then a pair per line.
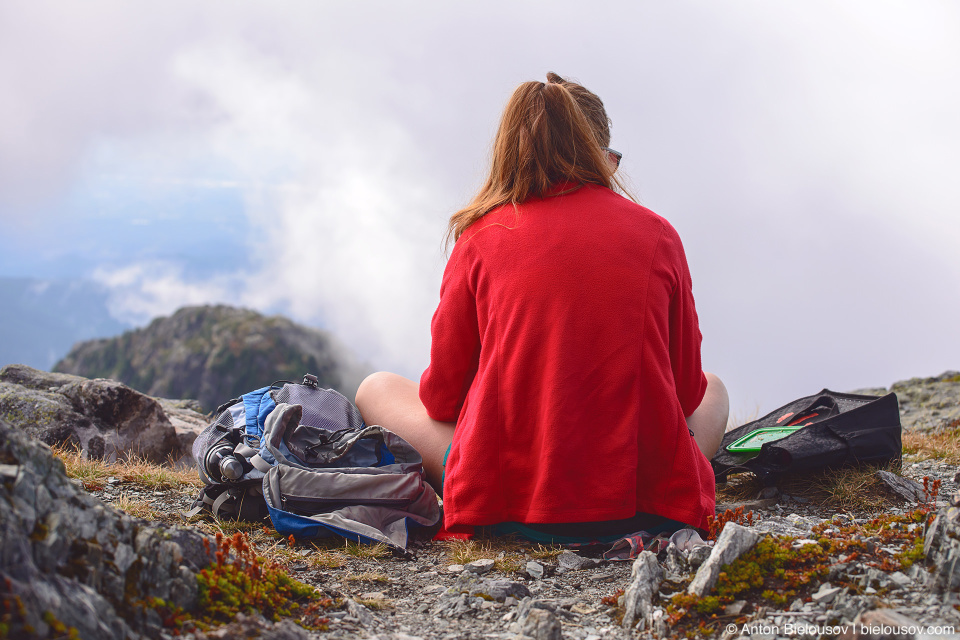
x,y
566,347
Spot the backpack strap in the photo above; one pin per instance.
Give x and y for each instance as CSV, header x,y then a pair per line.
x,y
229,503
245,450
259,463
220,501
205,502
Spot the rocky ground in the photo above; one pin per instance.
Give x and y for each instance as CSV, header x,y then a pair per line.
x,y
864,583
427,594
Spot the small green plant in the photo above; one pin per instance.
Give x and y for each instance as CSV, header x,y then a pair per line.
x,y
13,620
912,554
59,629
905,531
773,570
238,581
708,604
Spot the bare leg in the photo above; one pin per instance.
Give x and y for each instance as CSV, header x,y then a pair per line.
x,y
393,401
709,421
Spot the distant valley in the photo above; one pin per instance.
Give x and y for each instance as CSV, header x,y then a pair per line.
x,y
40,320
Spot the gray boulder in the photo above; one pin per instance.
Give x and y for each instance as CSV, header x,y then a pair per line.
x,y
188,420
942,548
733,542
570,561
540,624
645,579
538,620
105,418
907,489
65,553
497,589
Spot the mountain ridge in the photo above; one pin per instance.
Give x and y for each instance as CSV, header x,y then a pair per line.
x,y
213,353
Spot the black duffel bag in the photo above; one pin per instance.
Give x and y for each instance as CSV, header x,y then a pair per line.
x,y
823,431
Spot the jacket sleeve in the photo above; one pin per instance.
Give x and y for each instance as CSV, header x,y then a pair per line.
x,y
455,340
685,337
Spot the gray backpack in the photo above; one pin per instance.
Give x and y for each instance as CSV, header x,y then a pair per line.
x,y
303,457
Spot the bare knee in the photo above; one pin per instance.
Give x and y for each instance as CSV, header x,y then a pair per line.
x,y
717,393
709,421
374,386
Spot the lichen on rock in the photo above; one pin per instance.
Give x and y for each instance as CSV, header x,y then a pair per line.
x,y
62,550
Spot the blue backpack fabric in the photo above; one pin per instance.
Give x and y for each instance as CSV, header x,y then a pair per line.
x,y
303,457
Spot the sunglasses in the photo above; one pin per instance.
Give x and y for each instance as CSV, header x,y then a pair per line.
x,y
614,155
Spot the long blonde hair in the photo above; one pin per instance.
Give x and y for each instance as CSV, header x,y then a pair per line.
x,y
549,133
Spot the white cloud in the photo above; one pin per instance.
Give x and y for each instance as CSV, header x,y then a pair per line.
x,y
141,292
764,131
351,239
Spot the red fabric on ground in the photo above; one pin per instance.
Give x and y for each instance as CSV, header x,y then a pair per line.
x,y
566,347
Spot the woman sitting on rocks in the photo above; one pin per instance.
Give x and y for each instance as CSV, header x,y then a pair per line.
x,y
565,398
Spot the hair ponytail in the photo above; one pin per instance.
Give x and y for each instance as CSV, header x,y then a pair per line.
x,y
549,133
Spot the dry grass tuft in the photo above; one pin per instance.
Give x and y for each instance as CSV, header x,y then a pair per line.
x,y
739,488
852,488
137,507
543,552
208,523
506,553
466,551
942,445
136,470
327,558
512,563
368,576
358,550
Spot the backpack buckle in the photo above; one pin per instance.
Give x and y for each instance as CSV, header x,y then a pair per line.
x,y
311,380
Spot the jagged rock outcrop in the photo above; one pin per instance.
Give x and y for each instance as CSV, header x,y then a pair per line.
x,y
66,558
104,417
926,403
732,543
645,578
213,354
942,547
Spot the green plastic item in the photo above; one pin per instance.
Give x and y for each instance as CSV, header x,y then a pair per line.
x,y
752,442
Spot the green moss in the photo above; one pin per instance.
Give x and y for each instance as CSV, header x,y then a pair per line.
x,y
912,554
57,628
239,582
773,570
708,604
774,567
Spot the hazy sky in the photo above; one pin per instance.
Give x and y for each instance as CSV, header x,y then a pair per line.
x,y
303,157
